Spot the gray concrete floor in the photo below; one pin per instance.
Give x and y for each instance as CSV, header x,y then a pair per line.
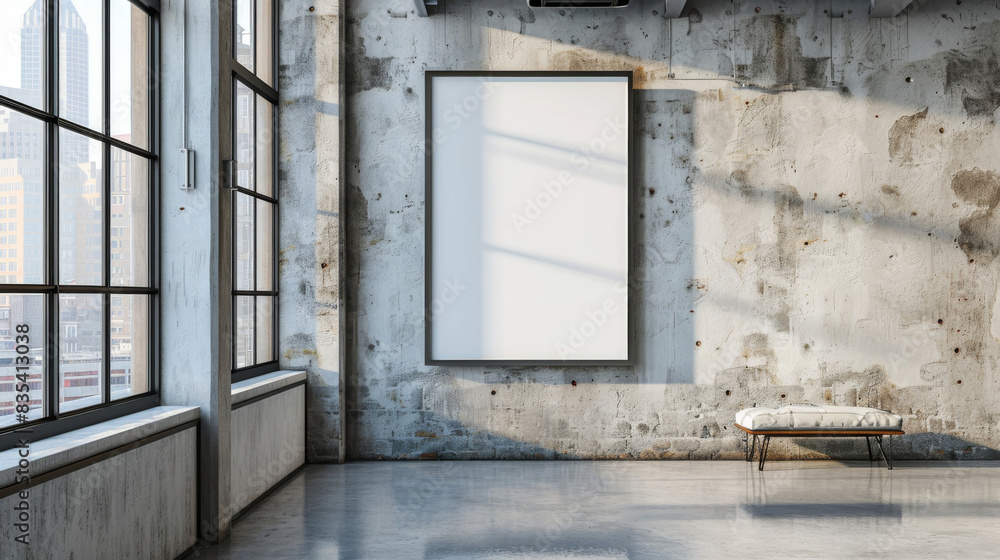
x,y
625,510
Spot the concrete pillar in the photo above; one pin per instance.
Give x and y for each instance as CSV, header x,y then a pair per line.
x,y
311,195
195,281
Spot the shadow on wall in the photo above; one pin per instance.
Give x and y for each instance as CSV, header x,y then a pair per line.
x,y
668,176
780,310
777,47
439,438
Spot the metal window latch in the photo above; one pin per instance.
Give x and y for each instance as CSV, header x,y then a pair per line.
x,y
187,174
231,176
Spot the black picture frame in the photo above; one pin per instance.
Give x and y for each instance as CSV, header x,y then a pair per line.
x,y
429,76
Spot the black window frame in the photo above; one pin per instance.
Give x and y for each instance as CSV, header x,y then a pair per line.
x,y
55,423
241,75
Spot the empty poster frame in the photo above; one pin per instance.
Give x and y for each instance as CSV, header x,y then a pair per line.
x,y
528,218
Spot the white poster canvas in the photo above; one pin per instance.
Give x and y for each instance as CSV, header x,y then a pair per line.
x,y
528,217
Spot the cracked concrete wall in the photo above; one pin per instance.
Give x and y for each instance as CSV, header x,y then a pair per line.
x,y
816,220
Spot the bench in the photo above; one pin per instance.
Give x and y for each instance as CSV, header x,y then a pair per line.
x,y
807,420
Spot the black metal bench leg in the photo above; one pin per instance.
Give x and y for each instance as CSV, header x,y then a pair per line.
x,y
888,460
751,447
763,451
868,442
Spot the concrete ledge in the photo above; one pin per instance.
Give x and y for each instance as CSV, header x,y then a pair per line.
x,y
65,449
261,385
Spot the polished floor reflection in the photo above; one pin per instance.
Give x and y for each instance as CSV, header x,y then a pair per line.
x,y
625,510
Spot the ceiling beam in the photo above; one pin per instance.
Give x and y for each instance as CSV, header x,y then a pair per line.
x,y
887,8
421,8
673,8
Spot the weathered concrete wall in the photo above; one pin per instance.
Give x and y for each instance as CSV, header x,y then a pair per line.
x,y
310,167
195,335
268,438
139,504
818,221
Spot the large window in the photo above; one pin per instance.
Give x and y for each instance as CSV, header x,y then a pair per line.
x,y
77,157
255,204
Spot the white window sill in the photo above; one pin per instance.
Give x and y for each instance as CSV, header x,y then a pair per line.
x,y
264,384
55,452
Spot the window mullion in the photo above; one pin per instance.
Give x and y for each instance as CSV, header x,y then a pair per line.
x,y
106,42
52,57
253,48
274,192
106,209
253,201
152,240
106,242
106,362
250,80
233,199
50,368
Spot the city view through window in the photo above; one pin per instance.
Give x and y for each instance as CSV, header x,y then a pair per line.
x,y
255,204
75,184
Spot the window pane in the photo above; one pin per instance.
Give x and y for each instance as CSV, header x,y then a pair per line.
x,y
22,199
244,331
264,176
243,39
129,73
21,371
81,62
81,349
265,329
265,245
81,208
22,50
129,219
129,345
262,38
244,242
244,136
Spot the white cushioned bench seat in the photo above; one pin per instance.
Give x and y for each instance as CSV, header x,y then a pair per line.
x,y
816,417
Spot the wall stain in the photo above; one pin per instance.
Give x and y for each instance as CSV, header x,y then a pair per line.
x,y
366,73
587,61
515,426
777,61
905,135
694,16
980,232
975,76
525,19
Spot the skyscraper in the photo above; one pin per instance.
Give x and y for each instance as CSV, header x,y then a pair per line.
x,y
22,221
32,37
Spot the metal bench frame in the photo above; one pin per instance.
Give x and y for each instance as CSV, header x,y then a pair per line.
x,y
764,439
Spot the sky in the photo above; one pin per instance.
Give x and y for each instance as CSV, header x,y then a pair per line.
x,y
11,18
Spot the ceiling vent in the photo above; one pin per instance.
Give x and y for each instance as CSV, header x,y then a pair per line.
x,y
577,3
